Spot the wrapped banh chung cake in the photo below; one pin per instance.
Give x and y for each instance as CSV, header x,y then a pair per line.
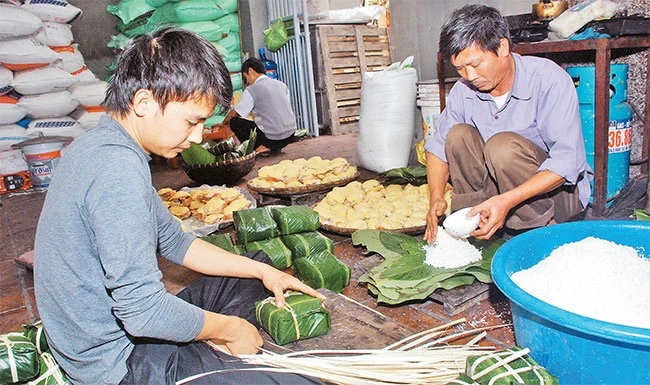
x,y
19,358
504,367
254,225
322,270
295,219
276,250
302,317
304,244
225,242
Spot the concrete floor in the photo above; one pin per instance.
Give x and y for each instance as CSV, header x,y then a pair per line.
x,y
19,215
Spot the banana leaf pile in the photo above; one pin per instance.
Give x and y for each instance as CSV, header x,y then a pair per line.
x,y
404,276
415,175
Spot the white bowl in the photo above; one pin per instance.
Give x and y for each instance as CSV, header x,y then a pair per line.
x,y
459,224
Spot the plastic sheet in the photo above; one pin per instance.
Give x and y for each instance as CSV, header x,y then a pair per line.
x,y
302,317
295,219
304,244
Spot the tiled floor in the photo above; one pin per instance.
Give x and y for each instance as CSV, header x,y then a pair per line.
x,y
19,215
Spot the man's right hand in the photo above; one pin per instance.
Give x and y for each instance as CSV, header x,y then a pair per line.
x,y
236,334
437,209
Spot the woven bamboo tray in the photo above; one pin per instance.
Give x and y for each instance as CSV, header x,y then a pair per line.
x,y
304,189
226,172
417,230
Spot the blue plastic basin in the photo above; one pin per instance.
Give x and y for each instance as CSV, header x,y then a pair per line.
x,y
576,349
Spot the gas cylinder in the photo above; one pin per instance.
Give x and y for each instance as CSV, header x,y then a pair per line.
x,y
619,141
270,66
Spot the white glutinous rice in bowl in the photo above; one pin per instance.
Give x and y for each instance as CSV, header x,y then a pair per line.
x,y
448,252
594,278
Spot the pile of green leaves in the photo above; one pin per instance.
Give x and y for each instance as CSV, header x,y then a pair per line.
x,y
641,215
416,175
210,151
404,276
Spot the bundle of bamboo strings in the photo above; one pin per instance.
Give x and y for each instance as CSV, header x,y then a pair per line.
x,y
423,358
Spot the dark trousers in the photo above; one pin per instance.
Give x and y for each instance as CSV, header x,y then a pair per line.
x,y
480,170
242,129
165,363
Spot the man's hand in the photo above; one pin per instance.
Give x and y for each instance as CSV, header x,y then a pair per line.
x,y
235,334
493,216
436,210
279,282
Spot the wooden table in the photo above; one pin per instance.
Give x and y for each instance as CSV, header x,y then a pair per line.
x,y
602,52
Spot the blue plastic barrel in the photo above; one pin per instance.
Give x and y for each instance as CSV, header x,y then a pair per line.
x,y
270,66
620,122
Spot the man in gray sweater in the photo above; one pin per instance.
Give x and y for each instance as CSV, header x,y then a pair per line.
x,y
106,314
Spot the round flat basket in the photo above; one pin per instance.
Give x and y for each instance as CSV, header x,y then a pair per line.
x,y
304,189
220,173
417,230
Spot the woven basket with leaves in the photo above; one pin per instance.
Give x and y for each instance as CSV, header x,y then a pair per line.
x,y
220,173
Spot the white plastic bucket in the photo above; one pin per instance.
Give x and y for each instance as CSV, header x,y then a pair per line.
x,y
41,160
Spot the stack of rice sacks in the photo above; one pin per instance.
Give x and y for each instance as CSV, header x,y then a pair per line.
x,y
288,234
215,20
45,86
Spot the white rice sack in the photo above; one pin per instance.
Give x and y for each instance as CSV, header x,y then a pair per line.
x,y
71,58
6,76
48,105
88,118
59,11
11,134
89,93
387,118
42,80
22,54
85,75
16,22
55,34
10,111
64,126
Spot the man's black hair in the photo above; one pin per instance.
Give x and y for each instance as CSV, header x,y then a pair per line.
x,y
256,64
175,64
473,24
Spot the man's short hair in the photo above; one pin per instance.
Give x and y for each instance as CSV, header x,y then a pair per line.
x,y
256,64
473,24
175,64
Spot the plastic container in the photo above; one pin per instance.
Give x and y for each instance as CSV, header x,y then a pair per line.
x,y
620,122
270,66
576,349
42,155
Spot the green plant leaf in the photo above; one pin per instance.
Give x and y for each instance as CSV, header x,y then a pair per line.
x,y
196,154
404,276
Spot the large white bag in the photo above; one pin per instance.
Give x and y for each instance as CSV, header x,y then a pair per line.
x,y
16,22
42,80
48,105
387,117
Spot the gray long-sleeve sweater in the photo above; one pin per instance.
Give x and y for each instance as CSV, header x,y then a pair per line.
x,y
96,275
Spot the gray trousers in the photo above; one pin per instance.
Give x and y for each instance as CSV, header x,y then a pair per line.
x,y
164,363
480,170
